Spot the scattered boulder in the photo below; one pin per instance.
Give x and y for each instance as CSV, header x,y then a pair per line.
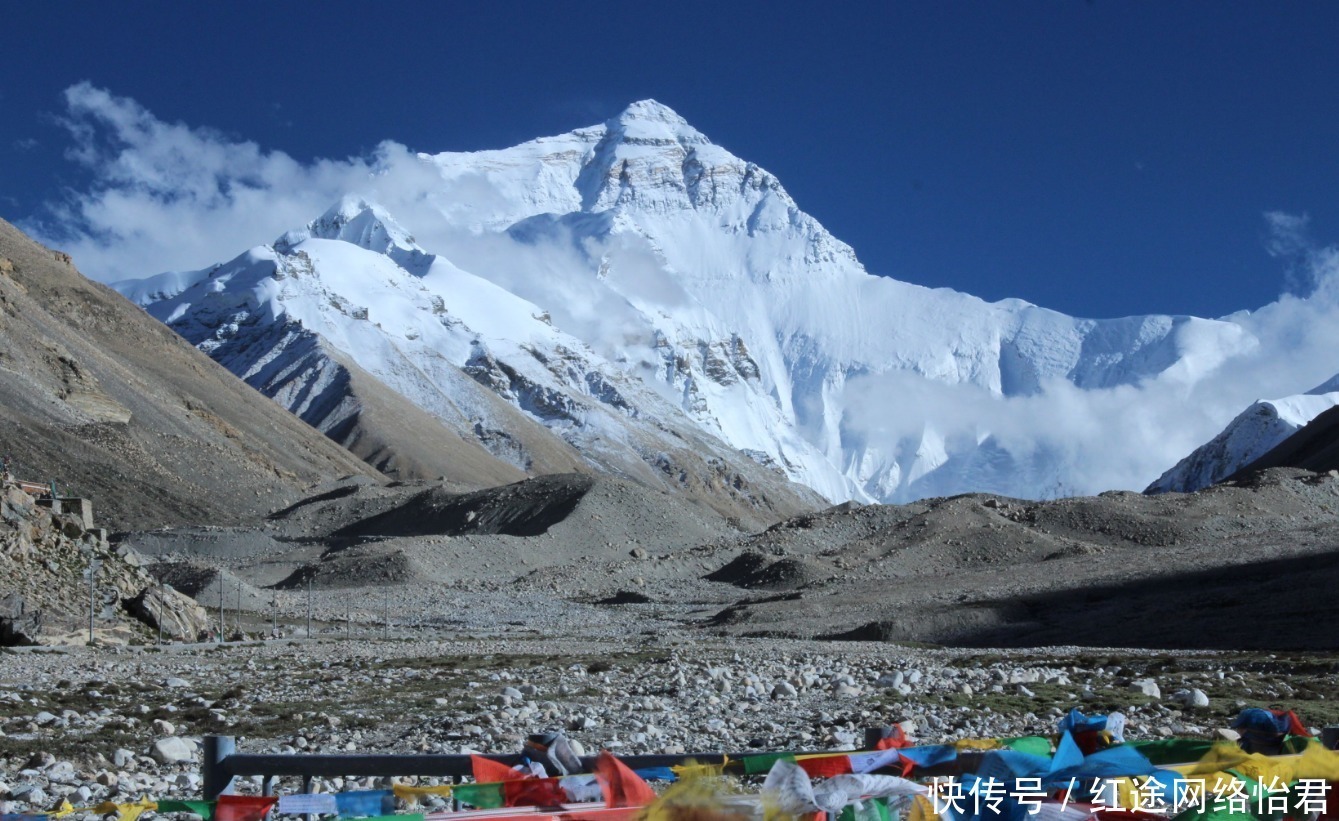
x,y
180,616
172,750
19,624
1191,699
1146,686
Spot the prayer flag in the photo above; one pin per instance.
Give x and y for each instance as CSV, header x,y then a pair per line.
x,y
204,809
125,812
243,807
488,771
412,795
482,796
363,803
322,803
620,785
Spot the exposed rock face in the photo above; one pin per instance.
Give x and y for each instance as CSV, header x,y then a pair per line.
x,y
18,624
44,593
180,616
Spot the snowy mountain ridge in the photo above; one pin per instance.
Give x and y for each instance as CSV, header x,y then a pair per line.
x,y
634,274
1252,434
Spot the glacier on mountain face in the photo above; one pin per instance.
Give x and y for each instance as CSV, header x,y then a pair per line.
x,y
633,273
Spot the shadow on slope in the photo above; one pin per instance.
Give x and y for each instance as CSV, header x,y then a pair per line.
x,y
527,508
1277,604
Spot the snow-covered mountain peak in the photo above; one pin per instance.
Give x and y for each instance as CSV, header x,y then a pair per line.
x,y
361,222
648,122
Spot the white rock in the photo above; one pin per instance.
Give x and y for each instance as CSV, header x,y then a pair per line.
x,y
1147,686
172,750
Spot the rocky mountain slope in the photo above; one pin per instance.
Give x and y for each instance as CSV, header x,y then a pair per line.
x,y
113,406
631,284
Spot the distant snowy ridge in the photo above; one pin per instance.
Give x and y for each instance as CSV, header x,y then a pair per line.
x,y
632,285
1252,434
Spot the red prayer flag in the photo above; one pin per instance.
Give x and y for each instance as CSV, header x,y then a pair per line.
x,y
532,792
1295,725
488,771
243,807
826,766
621,786
895,738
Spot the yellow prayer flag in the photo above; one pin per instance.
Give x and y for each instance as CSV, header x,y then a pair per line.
x,y
922,810
412,795
977,744
127,812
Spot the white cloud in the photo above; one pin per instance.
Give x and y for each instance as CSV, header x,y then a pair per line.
x,y
166,196
1122,437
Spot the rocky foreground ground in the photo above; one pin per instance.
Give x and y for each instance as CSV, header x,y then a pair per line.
x,y
91,724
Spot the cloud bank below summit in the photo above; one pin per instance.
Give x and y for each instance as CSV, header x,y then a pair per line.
x,y
169,196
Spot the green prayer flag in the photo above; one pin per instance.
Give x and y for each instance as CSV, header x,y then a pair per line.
x,y
762,763
1030,744
204,809
1172,750
481,796
871,809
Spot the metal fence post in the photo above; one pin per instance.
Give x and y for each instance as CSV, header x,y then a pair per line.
x,y
92,576
216,752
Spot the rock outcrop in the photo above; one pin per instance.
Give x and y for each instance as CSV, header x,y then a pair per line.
x,y
44,590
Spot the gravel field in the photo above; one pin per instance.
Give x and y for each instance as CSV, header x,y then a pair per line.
x,y
97,723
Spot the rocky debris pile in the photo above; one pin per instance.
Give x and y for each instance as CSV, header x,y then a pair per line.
x,y
98,723
44,592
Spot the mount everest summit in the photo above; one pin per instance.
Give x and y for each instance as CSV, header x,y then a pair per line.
x,y
633,298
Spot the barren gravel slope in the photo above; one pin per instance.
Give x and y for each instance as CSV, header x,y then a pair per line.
x,y
114,406
1249,564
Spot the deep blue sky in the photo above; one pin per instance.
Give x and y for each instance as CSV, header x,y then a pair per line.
x,y
1100,158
